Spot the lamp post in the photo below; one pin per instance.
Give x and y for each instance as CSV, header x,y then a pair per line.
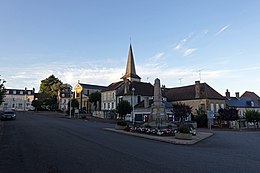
x,y
133,92
70,88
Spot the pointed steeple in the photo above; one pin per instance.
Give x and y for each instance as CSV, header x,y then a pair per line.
x,y
130,73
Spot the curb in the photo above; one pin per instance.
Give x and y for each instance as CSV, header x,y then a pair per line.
x,y
168,139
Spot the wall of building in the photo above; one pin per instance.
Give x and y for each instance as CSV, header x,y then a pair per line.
x,y
205,104
17,102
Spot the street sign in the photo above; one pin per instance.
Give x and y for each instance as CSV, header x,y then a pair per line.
x,y
210,115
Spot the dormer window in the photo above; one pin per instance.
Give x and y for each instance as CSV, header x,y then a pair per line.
x,y
252,104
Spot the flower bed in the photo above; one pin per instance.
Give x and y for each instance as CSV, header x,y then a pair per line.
x,y
151,131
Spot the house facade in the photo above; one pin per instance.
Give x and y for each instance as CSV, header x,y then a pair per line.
x,y
198,96
243,103
18,99
82,92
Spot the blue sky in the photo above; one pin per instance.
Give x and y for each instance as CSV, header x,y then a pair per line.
x,y
215,41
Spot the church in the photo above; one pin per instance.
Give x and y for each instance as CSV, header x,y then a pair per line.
x,y
129,88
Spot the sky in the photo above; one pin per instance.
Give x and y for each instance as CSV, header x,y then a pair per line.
x,y
177,41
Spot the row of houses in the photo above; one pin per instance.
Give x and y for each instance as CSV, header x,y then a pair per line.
x,y
140,95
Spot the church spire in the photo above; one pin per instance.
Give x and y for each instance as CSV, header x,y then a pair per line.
x,y
130,67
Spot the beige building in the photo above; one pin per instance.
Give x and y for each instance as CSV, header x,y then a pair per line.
x,y
200,95
18,100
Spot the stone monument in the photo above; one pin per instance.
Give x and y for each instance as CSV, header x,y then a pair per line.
x,y
158,116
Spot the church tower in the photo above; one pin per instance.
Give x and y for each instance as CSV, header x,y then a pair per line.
x,y
130,73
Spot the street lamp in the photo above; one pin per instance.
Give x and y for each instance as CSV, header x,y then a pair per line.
x,y
70,88
133,92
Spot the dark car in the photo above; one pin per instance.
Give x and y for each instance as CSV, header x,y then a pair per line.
x,y
8,115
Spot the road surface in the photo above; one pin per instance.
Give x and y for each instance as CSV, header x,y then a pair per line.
x,y
49,144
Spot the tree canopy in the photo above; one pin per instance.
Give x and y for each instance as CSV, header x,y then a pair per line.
x,y
94,98
181,111
123,108
50,87
228,114
252,116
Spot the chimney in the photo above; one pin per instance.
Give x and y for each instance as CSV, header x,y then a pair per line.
x,y
237,95
227,94
146,102
197,89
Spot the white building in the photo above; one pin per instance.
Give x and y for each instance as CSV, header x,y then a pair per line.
x,y
18,99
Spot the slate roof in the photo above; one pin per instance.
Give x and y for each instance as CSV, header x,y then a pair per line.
x,y
18,92
113,86
188,93
241,103
95,87
130,67
141,88
168,105
252,96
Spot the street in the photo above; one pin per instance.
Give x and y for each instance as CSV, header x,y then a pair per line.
x,y
49,144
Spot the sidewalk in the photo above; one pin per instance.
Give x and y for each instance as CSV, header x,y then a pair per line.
x,y
169,139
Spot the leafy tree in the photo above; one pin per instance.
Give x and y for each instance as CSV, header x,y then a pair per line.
x,y
2,91
94,98
201,118
227,114
50,87
252,116
123,108
37,104
181,111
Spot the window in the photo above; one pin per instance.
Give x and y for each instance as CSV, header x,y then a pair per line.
x,y
13,99
88,92
105,105
217,107
21,92
14,92
212,107
13,106
112,105
222,106
20,106
29,93
108,105
7,91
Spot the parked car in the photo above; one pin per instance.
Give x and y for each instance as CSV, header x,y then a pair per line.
x,y
8,115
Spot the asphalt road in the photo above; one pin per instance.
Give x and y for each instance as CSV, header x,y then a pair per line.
x,y
37,143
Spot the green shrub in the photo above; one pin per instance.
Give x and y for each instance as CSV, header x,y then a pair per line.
x,y
183,129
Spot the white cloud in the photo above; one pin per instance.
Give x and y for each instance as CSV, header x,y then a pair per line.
x,y
157,57
189,51
223,29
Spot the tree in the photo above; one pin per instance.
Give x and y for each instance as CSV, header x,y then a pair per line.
x,y
201,118
50,87
94,98
252,116
181,111
2,91
227,114
123,108
37,104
